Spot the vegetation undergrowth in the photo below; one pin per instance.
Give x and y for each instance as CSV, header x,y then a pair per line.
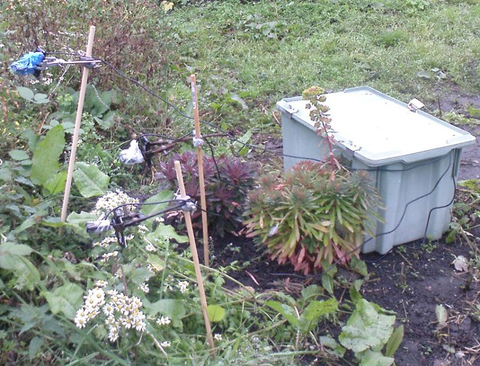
x,y
69,299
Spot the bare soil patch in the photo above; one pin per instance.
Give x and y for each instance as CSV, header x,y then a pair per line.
x,y
411,280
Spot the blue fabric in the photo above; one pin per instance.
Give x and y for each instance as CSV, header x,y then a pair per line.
x,y
28,63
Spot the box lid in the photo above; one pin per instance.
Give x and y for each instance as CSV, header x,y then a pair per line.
x,y
379,129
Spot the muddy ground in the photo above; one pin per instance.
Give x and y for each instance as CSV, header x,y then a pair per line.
x,y
411,280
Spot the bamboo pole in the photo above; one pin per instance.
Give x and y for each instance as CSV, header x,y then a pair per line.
x,y
78,121
201,178
196,263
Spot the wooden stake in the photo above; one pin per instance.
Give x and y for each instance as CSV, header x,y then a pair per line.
x,y
201,178
78,121
193,248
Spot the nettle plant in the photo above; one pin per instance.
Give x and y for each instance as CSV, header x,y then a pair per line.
x,y
143,296
227,182
314,214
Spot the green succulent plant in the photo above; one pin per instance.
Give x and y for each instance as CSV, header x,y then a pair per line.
x,y
309,220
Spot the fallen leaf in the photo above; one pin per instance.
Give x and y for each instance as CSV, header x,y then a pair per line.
x,y
461,264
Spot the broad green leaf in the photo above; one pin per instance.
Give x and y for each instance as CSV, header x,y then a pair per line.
x,y
215,313
35,344
172,308
28,223
156,262
141,275
168,232
153,207
359,266
26,93
81,218
27,274
26,181
332,346
56,184
327,283
287,311
315,311
66,299
241,143
74,221
31,137
371,358
90,180
354,294
41,98
46,155
106,121
395,341
18,155
366,328
15,249
5,173
312,291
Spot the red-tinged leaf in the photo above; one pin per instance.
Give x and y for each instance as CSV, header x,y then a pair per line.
x,y
301,254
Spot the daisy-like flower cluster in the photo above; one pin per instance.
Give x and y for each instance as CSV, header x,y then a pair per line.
x,y
107,256
121,311
112,200
106,242
91,308
183,286
164,320
150,248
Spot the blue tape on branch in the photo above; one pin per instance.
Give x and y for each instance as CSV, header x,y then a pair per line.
x,y
28,63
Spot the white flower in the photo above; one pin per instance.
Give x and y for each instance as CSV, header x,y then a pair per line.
x,y
142,229
165,344
150,248
113,334
106,242
108,309
164,320
111,321
101,283
127,322
111,200
144,287
151,268
183,285
217,336
107,256
139,322
81,318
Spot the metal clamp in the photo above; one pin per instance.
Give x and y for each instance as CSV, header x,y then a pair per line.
x,y
197,141
189,204
88,62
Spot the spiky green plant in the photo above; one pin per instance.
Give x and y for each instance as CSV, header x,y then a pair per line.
x,y
309,220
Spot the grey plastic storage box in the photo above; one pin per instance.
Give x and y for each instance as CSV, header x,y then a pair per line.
x,y
412,157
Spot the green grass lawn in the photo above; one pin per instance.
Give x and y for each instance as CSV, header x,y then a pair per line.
x,y
274,49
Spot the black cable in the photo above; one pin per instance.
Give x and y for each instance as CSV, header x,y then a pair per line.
x,y
218,128
219,176
149,91
172,140
440,207
401,218
136,205
232,137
